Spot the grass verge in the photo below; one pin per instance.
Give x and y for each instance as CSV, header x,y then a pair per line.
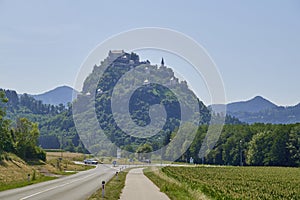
x,y
13,185
113,188
14,171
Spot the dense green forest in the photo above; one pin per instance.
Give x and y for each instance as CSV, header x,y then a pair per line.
x,y
256,144
139,104
55,123
20,138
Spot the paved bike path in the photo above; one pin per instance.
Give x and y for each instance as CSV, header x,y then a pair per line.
x,y
139,187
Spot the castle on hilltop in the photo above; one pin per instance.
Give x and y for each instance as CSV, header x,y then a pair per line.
x,y
114,54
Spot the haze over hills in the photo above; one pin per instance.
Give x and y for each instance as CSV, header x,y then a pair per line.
x,y
261,110
62,94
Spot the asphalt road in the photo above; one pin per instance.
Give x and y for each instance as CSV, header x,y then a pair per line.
x,y
75,187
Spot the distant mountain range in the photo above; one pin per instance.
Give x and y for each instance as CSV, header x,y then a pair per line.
x,y
62,94
261,110
255,110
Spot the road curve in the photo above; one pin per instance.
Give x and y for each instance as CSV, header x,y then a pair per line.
x,y
76,187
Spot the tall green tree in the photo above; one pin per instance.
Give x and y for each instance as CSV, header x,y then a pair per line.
x,y
278,155
293,146
25,137
257,149
5,139
144,151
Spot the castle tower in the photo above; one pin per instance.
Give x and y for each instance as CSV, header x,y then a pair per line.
x,y
162,62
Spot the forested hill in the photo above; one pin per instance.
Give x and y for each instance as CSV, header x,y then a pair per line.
x,y
119,73
130,72
55,123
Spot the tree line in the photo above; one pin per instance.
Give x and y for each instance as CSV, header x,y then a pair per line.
x,y
256,145
27,104
239,144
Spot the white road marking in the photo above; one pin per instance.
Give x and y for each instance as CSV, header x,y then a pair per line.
x,y
27,197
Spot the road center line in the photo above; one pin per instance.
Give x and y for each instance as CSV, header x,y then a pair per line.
x,y
56,187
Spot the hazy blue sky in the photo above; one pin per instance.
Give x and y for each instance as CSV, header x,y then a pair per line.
x,y
255,44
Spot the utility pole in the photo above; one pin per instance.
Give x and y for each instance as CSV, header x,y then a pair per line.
x,y
61,148
59,162
161,155
241,153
